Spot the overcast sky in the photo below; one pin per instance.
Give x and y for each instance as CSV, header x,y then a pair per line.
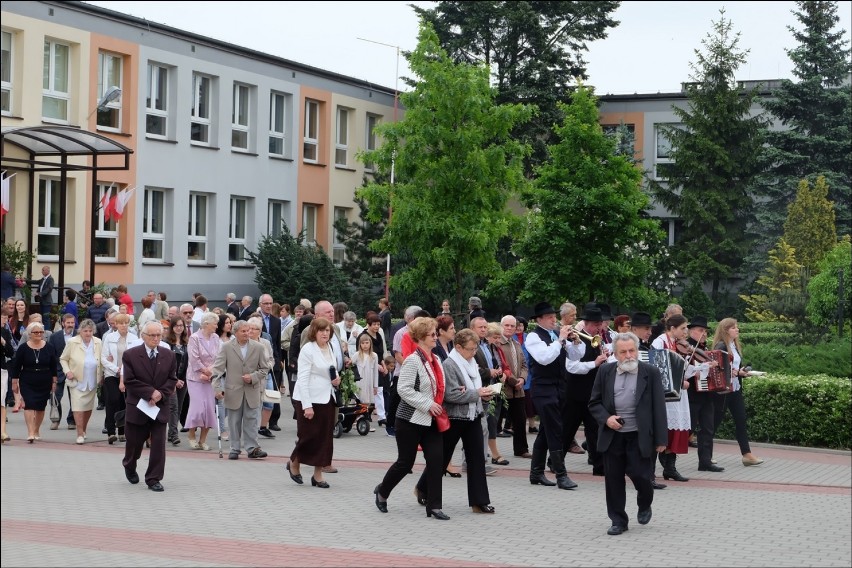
x,y
648,52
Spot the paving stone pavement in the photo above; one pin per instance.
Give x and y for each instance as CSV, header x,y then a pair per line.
x,y
69,505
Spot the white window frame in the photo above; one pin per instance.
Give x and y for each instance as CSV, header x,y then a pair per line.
x,y
107,230
278,211
240,125
204,123
338,251
149,232
311,139
48,200
198,228
51,90
372,141
662,159
152,110
309,223
8,72
341,138
277,117
104,60
235,238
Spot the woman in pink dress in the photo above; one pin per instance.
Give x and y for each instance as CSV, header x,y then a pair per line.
x,y
203,348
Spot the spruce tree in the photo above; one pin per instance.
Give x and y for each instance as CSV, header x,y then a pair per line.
x,y
809,227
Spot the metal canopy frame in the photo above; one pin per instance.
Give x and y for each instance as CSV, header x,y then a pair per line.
x,y
43,146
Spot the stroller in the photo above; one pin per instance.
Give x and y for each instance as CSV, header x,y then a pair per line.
x,y
354,412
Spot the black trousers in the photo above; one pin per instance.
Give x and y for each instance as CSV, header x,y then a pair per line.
x,y
736,403
546,401
577,412
408,437
114,401
391,401
470,434
278,375
136,436
516,416
703,410
624,458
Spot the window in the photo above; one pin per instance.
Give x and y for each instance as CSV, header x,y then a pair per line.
x,y
279,212
109,77
106,233
372,140
237,231
311,151
153,225
240,117
341,149
55,97
309,224
48,218
156,101
663,156
196,248
338,249
624,136
6,73
200,114
277,122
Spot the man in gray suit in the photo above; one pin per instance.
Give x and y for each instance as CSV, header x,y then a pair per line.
x,y
628,403
244,364
44,294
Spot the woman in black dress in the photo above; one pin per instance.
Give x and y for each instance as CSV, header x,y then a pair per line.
x,y
177,339
34,378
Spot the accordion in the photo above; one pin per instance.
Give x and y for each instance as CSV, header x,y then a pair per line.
x,y
671,367
718,378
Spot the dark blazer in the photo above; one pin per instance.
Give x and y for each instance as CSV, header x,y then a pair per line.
x,y
233,308
143,376
650,407
275,335
45,299
57,339
484,368
244,314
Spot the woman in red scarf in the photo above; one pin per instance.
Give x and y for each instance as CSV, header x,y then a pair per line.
x,y
420,419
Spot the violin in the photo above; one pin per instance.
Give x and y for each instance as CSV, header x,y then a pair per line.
x,y
690,352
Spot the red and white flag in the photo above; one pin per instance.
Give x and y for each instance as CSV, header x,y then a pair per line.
x,y
120,203
5,204
105,202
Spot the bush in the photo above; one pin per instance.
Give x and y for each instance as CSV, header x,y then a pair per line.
x,y
832,358
812,411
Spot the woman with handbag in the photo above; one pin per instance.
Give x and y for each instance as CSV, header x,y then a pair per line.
x,y
34,376
314,403
81,363
420,419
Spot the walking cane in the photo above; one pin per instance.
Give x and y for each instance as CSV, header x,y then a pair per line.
x,y
218,427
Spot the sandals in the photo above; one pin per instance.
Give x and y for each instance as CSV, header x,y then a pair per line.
x,y
499,461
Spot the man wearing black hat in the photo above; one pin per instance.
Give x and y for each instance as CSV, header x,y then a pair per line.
x,y
702,405
581,377
548,353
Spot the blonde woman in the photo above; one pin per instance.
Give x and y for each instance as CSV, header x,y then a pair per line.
x,y
34,376
112,351
84,372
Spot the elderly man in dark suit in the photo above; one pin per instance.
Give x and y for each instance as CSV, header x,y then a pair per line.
x,y
629,405
58,340
150,375
44,294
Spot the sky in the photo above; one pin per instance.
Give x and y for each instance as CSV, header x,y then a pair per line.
x,y
650,51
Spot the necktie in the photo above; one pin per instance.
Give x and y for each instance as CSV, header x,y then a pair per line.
x,y
152,355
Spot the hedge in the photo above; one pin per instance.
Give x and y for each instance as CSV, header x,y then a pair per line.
x,y
811,411
832,358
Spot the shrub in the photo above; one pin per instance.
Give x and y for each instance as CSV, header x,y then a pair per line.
x,y
812,411
832,358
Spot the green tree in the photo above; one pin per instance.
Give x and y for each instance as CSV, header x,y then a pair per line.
x,y
535,51
816,111
809,227
716,151
823,289
289,269
19,260
586,236
457,166
695,301
779,283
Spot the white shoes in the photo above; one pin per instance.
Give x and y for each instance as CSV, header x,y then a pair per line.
x,y
80,440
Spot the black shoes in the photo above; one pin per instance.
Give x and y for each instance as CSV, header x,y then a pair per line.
x,y
644,516
540,479
234,455
112,439
658,486
451,473
266,433
101,407
499,461
295,477
532,430
322,484
156,486
131,476
421,497
615,530
487,509
275,427
382,422
711,467
175,441
504,434
438,514
381,505
257,454
565,482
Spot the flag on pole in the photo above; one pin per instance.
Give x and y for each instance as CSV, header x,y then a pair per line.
x,y
121,201
4,195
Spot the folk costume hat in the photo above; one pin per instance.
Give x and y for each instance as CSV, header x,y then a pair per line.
x,y
543,309
640,319
698,321
592,314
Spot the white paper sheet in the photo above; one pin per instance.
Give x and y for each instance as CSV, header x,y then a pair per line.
x,y
151,411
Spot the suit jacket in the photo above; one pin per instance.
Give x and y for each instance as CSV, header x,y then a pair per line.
x,y
274,332
143,376
46,293
517,365
230,363
650,407
74,357
58,341
233,308
313,382
244,313
484,368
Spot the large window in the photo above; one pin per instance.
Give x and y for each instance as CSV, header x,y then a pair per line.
x,y
372,139
279,212
341,147
338,249
200,114
663,156
106,233
240,117
6,60
277,123
237,230
48,218
55,96
309,223
311,151
153,225
109,78
157,101
196,248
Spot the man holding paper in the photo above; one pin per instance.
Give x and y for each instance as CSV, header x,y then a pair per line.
x,y
150,376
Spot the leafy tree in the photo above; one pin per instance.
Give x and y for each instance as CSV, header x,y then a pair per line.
x,y
586,236
781,284
817,111
809,227
19,260
695,301
457,167
823,288
715,152
535,51
288,269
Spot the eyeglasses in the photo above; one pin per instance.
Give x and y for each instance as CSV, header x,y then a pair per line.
x,y
36,333
153,334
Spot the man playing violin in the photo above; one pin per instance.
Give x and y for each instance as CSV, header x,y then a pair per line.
x,y
702,405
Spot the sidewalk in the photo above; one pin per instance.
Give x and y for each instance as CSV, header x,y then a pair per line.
x,y
69,505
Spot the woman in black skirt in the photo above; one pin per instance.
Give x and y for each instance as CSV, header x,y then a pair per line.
x,y
34,378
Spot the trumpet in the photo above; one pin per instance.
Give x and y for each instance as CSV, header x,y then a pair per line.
x,y
595,341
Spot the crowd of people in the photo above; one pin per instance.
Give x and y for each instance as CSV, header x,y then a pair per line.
x,y
431,386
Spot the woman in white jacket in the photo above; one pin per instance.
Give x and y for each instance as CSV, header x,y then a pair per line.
x,y
114,345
